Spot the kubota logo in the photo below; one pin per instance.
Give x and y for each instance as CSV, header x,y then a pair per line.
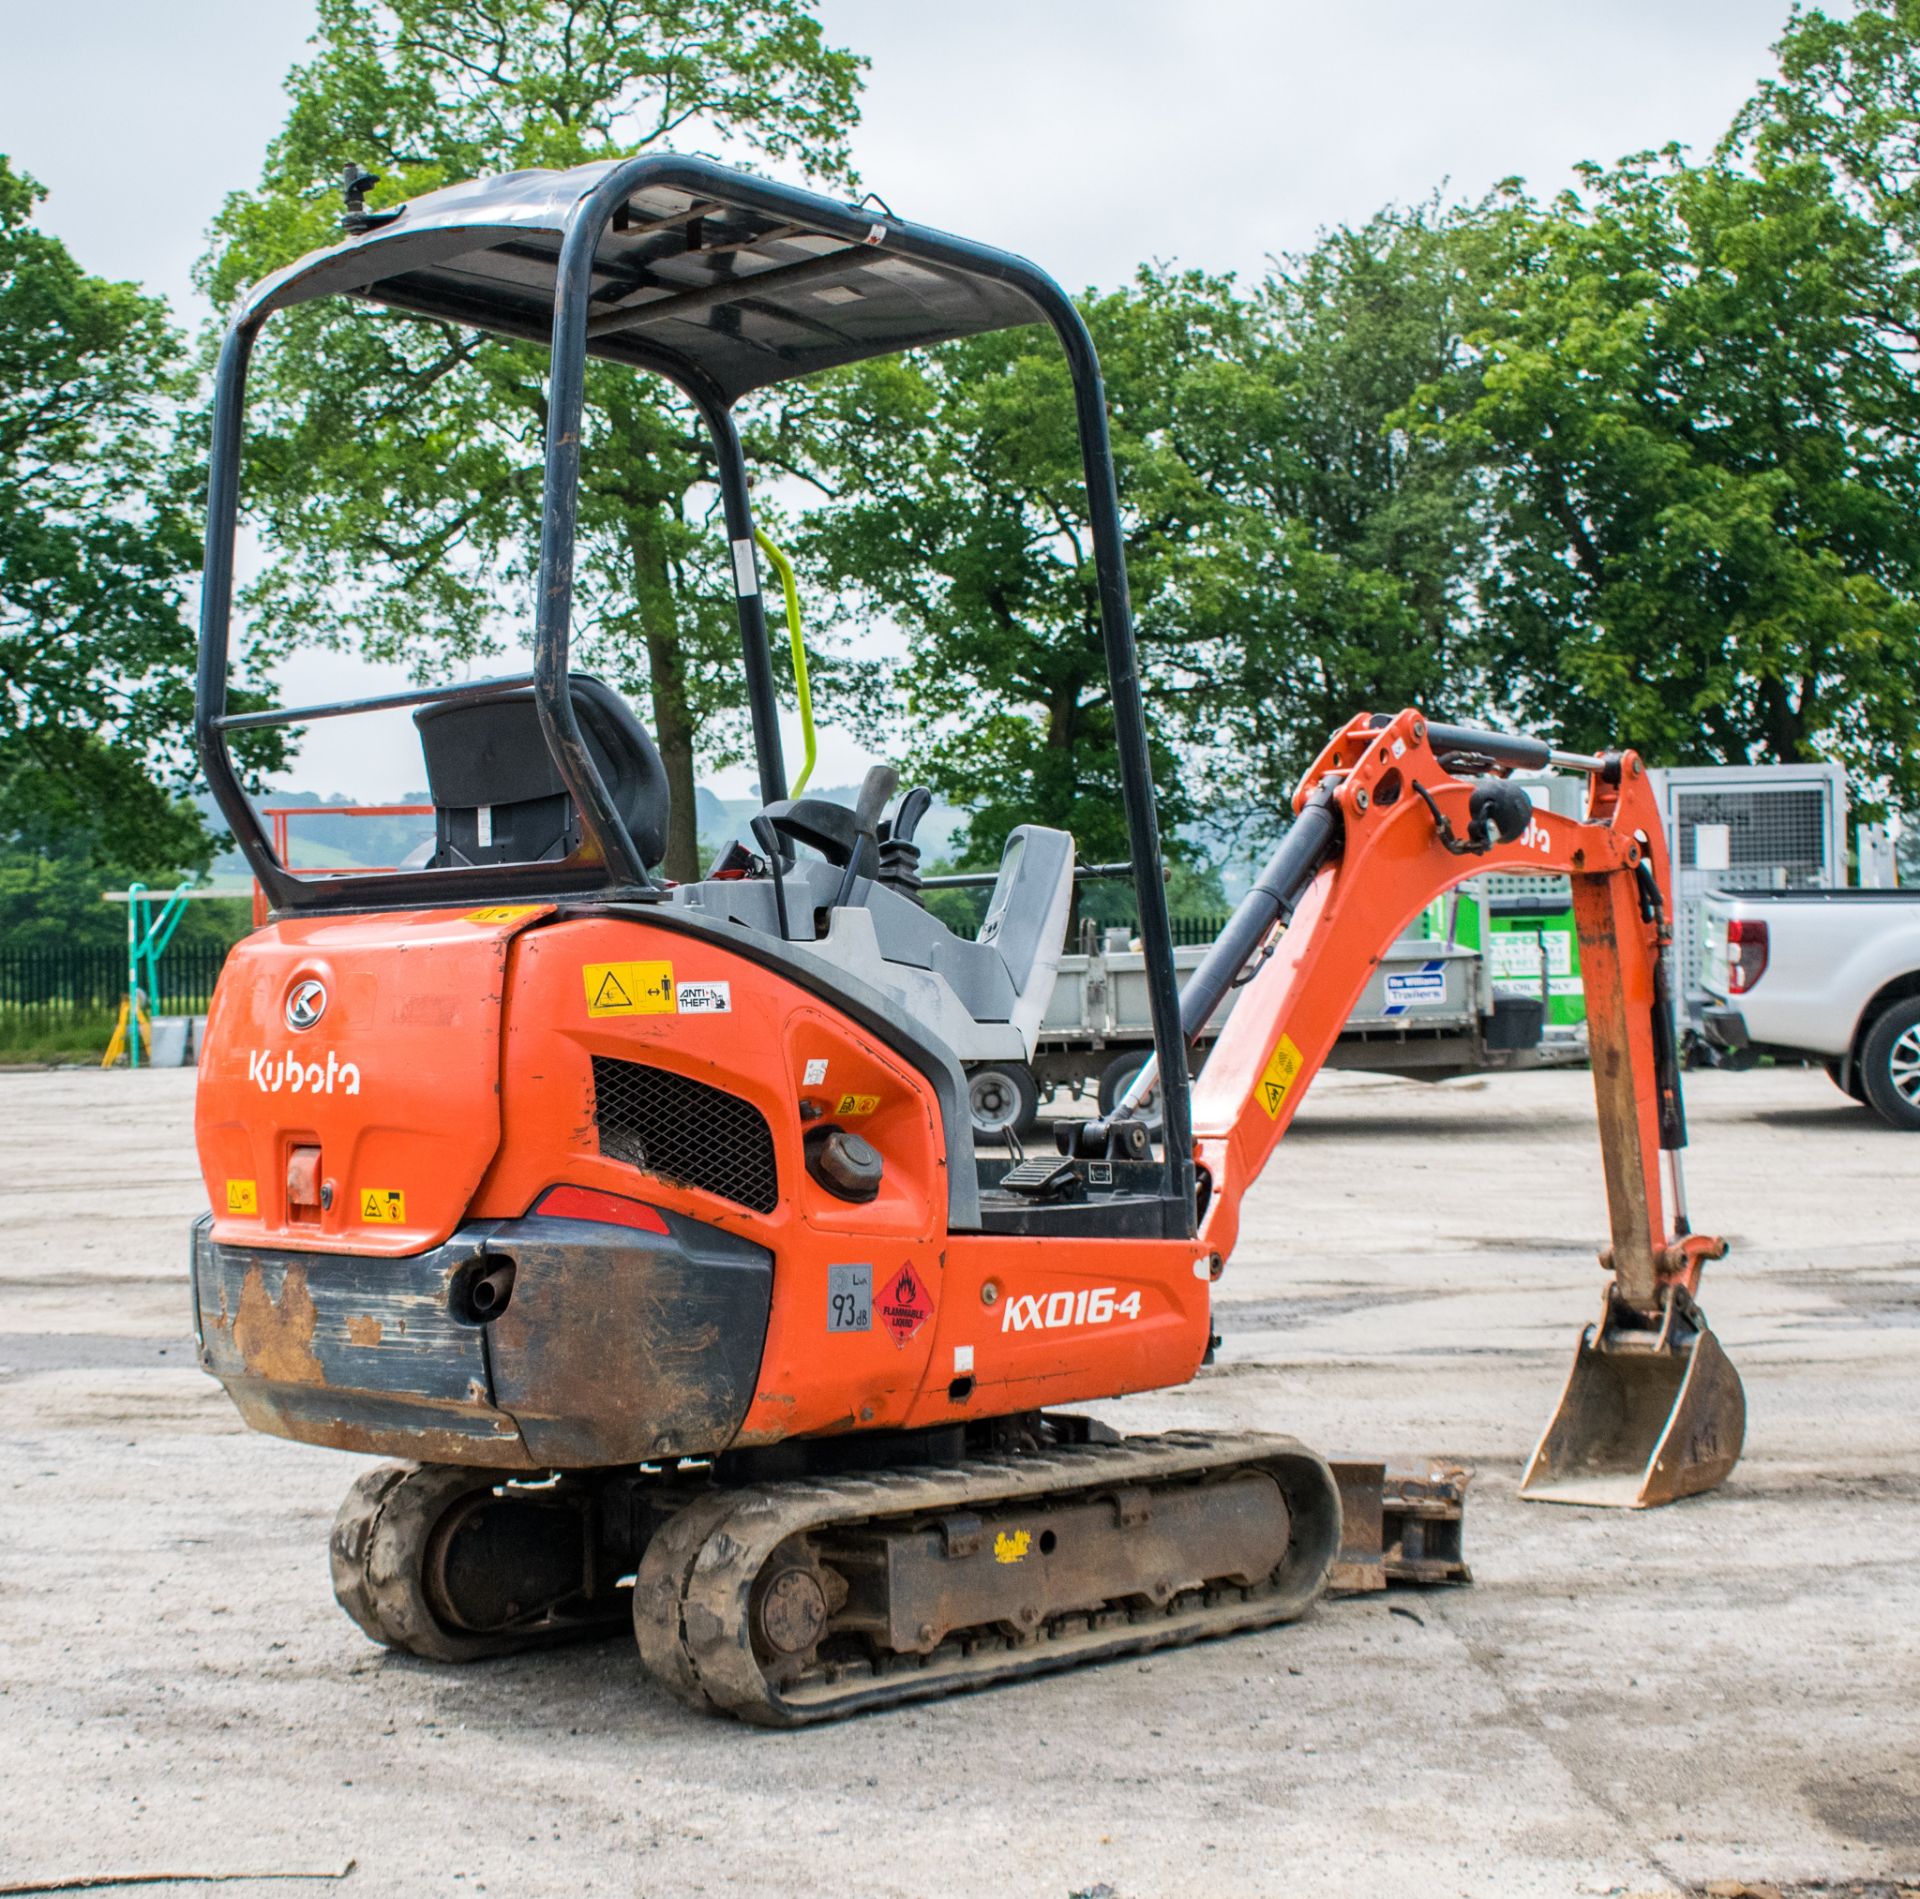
x,y
306,1004
272,1074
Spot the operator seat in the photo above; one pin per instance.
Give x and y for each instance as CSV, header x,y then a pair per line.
x,y
498,797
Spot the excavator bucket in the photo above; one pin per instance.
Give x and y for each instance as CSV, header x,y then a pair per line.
x,y
1647,1416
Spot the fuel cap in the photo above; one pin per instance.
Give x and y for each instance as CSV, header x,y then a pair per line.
x,y
843,1163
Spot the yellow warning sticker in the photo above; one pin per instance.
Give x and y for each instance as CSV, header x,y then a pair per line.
x,y
858,1104
1010,1549
382,1206
1278,1075
629,988
502,913
242,1197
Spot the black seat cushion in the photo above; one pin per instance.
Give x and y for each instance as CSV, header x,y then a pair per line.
x,y
498,795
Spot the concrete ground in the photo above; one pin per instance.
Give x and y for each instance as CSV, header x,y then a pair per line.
x,y
1727,1690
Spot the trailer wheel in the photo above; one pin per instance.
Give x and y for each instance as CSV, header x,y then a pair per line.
x,y
1002,1096
1890,1065
1117,1077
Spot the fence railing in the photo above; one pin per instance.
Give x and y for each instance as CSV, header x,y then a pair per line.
x,y
85,981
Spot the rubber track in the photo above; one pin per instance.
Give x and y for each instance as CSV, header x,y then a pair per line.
x,y
691,1598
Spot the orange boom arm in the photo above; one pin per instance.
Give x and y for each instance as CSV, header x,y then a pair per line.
x,y
1401,830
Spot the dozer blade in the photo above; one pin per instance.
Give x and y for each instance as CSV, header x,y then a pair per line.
x,y
1646,1417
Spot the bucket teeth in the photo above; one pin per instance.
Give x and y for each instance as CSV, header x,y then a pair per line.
x,y
1646,1417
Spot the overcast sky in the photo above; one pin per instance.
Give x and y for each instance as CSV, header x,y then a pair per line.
x,y
1089,134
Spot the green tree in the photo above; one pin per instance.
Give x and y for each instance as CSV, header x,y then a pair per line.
x,y
96,552
395,472
1333,573
1294,557
1695,414
956,511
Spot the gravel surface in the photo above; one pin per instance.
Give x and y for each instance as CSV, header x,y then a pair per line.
x,y
1726,1690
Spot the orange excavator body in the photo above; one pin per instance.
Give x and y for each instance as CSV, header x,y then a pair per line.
x,y
451,1081
649,1222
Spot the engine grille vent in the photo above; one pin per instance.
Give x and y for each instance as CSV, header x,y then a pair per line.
x,y
685,1132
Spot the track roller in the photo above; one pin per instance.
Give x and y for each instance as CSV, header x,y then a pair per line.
x,y
457,1564
790,1603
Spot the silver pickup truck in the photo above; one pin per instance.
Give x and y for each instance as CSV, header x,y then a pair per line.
x,y
1825,975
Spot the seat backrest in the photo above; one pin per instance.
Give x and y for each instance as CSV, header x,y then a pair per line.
x,y
1026,918
497,793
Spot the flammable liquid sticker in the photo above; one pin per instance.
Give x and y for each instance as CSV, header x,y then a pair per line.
x,y
383,1206
905,1305
1278,1076
628,988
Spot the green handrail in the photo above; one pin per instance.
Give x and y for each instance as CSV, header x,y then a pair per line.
x,y
784,568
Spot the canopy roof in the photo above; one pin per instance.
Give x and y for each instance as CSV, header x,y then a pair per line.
x,y
703,271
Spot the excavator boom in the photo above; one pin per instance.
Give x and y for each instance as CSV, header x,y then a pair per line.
x,y
1394,812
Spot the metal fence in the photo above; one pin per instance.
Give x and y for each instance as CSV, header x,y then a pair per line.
x,y
87,981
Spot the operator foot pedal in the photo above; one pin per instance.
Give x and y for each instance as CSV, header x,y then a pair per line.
x,y
1041,1178
1400,1523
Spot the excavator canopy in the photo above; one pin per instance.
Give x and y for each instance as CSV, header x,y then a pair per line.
x,y
708,276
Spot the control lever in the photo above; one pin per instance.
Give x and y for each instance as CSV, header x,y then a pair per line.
x,y
899,854
876,788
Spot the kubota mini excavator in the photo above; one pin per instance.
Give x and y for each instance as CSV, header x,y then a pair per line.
x,y
647,1222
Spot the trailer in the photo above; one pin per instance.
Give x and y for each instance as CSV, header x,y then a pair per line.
x,y
1437,1005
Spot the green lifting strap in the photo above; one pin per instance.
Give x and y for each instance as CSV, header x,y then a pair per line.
x,y
784,568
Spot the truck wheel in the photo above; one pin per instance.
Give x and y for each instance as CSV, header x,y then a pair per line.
x,y
1890,1065
1002,1096
1118,1076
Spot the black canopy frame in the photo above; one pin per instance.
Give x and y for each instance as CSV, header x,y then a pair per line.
x,y
642,261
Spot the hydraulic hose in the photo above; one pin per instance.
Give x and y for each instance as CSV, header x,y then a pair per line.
x,y
1311,839
784,568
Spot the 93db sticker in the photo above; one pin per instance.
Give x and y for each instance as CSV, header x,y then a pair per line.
x,y
849,1298
628,988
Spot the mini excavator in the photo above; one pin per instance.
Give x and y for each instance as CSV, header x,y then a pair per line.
x,y
646,1223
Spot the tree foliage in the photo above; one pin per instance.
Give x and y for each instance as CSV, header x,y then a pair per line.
x,y
1292,557
96,550
1701,476
956,511
396,464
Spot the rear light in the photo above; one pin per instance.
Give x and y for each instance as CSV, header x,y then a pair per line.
x,y
304,1199
1746,954
609,1209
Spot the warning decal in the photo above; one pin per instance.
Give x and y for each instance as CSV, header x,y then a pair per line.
x,y
904,1304
628,988
503,913
382,1206
242,1197
857,1104
1277,1077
